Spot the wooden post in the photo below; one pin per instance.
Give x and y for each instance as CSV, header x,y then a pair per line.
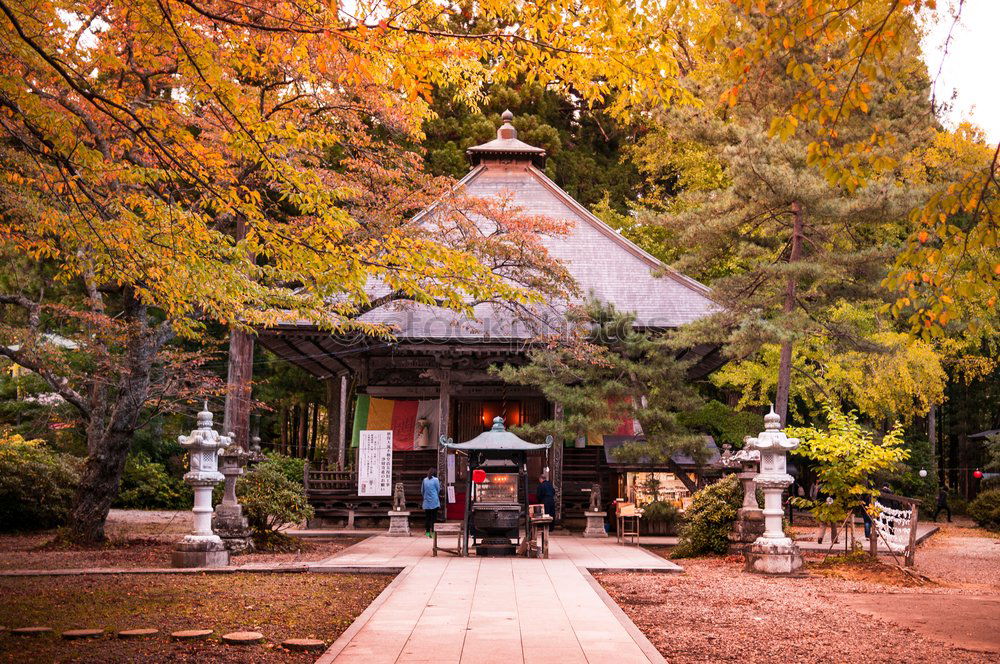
x,y
911,549
342,430
444,418
332,421
557,464
872,538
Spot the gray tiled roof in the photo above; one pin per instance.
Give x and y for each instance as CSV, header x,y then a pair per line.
x,y
604,265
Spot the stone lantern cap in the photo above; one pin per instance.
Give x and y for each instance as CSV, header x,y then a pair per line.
x,y
772,438
204,445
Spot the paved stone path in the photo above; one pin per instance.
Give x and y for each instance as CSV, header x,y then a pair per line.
x,y
511,610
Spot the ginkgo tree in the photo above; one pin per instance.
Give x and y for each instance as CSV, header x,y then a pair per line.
x,y
178,161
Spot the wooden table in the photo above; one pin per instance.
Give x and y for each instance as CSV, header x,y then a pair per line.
x,y
447,529
540,531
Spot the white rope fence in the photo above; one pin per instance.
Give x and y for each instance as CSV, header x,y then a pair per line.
x,y
894,526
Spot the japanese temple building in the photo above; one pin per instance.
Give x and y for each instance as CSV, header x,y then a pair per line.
x,y
433,378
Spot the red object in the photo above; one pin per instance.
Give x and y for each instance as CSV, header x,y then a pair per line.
x,y
479,476
978,474
404,421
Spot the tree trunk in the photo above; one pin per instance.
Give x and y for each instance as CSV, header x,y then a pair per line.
x,y
108,445
314,430
303,430
239,388
785,363
283,415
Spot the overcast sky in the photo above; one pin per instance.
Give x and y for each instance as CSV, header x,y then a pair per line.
x,y
971,67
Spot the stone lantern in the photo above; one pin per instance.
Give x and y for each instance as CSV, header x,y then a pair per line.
x,y
773,552
749,518
202,548
228,521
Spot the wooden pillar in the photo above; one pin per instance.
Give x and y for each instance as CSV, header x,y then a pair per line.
x,y
444,419
556,463
236,419
336,421
342,425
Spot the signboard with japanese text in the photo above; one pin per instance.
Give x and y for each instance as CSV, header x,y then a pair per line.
x,y
375,463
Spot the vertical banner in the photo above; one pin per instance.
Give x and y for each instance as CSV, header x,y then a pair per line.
x,y
375,463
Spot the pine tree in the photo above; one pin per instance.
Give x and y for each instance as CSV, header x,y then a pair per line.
x,y
779,243
607,372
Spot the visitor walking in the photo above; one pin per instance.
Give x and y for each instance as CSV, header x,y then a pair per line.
x,y
546,495
430,488
942,504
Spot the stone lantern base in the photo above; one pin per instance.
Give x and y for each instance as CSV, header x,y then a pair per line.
x,y
229,523
773,557
207,552
595,524
748,527
399,524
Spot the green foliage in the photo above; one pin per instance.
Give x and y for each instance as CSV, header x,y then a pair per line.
x,y
290,467
271,500
710,519
146,484
985,509
726,425
37,485
847,459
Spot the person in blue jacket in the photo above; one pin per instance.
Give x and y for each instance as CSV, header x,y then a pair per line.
x,y
430,488
546,495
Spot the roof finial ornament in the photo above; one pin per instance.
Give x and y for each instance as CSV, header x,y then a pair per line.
x,y
507,130
772,421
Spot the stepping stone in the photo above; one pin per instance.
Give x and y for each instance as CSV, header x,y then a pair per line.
x,y
190,634
30,631
71,634
303,645
243,638
137,633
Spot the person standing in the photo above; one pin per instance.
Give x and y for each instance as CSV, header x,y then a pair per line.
x,y
546,495
430,488
942,504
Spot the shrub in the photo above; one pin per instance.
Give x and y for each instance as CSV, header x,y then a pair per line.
x,y
710,519
270,500
147,485
985,509
659,517
290,467
37,485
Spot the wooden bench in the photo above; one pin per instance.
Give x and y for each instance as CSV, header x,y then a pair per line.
x,y
447,528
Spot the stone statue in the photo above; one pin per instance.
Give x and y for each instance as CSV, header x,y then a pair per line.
x,y
595,498
398,498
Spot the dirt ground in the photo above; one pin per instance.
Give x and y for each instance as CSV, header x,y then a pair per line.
x,y
280,606
137,539
841,612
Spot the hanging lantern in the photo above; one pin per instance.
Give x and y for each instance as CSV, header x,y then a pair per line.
x,y
978,474
479,476
922,473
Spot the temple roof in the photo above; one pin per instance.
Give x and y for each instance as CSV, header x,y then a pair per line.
x,y
605,266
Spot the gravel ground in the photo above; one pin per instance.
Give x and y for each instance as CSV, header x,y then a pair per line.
x,y
280,606
961,556
717,612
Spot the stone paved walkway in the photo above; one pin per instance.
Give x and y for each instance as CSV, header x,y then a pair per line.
x,y
511,610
